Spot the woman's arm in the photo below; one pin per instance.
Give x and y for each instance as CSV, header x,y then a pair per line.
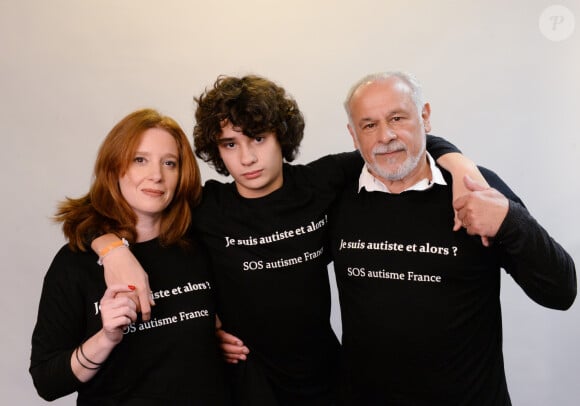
x,y
117,312
61,327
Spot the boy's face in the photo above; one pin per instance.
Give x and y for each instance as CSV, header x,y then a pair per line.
x,y
254,163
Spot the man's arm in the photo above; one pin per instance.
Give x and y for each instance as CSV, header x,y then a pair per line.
x,y
543,269
122,268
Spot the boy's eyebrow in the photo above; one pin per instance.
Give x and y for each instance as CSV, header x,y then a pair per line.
x,y
225,139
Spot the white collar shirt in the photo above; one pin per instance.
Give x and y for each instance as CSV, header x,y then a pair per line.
x,y
372,184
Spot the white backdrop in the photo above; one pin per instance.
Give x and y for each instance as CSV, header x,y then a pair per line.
x,y
499,89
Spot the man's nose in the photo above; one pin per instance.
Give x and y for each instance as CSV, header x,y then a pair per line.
x,y
386,133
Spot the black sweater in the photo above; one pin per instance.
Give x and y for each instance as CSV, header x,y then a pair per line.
x,y
172,359
420,303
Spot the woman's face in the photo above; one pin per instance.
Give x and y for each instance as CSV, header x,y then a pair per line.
x,y
151,178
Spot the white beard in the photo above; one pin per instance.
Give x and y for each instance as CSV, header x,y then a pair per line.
x,y
403,170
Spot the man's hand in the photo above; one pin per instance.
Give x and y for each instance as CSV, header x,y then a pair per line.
x,y
122,268
481,211
232,347
461,167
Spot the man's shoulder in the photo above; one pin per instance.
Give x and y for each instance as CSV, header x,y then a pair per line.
x,y
492,178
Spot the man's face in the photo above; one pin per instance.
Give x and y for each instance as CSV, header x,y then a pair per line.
x,y
254,163
387,130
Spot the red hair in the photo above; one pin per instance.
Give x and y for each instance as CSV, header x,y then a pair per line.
x,y
104,209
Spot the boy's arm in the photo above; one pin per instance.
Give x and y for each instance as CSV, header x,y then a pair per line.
x,y
121,267
450,158
461,167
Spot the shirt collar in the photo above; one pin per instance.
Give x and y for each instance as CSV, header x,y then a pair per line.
x,y
372,184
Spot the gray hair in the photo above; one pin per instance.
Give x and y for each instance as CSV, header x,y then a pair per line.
x,y
410,80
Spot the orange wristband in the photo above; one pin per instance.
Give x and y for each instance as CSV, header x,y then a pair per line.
x,y
103,253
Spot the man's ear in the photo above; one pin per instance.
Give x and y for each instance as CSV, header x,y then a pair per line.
x,y
426,115
353,135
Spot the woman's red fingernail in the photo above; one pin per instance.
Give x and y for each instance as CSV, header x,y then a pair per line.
x,y
132,287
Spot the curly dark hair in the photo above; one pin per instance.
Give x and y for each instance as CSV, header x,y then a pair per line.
x,y
255,105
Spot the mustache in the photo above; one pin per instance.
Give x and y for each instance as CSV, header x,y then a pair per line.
x,y
392,146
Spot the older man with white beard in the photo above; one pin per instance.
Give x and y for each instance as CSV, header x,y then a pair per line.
x,y
419,298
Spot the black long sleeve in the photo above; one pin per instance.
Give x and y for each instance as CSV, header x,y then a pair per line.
x,y
542,268
540,265
57,331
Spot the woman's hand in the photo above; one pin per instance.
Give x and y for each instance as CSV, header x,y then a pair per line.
x,y
117,312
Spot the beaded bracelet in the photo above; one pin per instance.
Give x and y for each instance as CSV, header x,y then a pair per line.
x,y
107,250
